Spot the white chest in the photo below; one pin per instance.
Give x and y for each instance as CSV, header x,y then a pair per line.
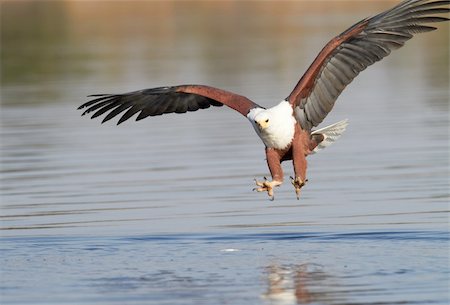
x,y
280,129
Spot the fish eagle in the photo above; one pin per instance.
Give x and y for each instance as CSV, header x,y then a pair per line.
x,y
287,128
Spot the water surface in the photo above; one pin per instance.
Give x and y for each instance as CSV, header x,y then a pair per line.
x,y
162,211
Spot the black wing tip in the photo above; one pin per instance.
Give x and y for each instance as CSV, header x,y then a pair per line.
x,y
92,101
121,120
85,105
99,94
98,98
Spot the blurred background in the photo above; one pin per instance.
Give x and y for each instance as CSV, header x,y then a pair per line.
x,y
174,193
258,48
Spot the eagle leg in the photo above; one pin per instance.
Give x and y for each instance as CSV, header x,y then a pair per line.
x,y
267,186
300,149
273,158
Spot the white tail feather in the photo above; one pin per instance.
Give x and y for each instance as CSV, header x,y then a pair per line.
x,y
331,133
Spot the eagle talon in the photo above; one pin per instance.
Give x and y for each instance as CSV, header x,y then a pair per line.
x,y
267,186
298,184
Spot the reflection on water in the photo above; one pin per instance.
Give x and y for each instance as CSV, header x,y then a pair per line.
x,y
149,212
265,268
292,285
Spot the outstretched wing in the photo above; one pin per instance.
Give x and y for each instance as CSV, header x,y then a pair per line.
x,y
158,101
363,44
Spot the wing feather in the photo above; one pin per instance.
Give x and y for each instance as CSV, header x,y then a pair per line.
x,y
110,105
351,52
158,101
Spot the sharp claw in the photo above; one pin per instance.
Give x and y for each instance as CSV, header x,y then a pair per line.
x,y
266,186
298,184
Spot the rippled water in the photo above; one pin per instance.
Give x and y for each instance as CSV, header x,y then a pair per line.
x,y
162,211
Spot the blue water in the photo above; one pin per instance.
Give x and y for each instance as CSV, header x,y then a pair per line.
x,y
162,211
260,268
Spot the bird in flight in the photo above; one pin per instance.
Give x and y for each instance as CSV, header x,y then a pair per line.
x,y
287,128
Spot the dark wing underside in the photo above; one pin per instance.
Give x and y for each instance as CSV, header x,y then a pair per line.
x,y
363,44
158,101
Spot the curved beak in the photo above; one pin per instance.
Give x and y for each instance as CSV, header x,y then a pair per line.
x,y
262,124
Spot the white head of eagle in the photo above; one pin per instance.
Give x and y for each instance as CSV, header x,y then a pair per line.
x,y
275,126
